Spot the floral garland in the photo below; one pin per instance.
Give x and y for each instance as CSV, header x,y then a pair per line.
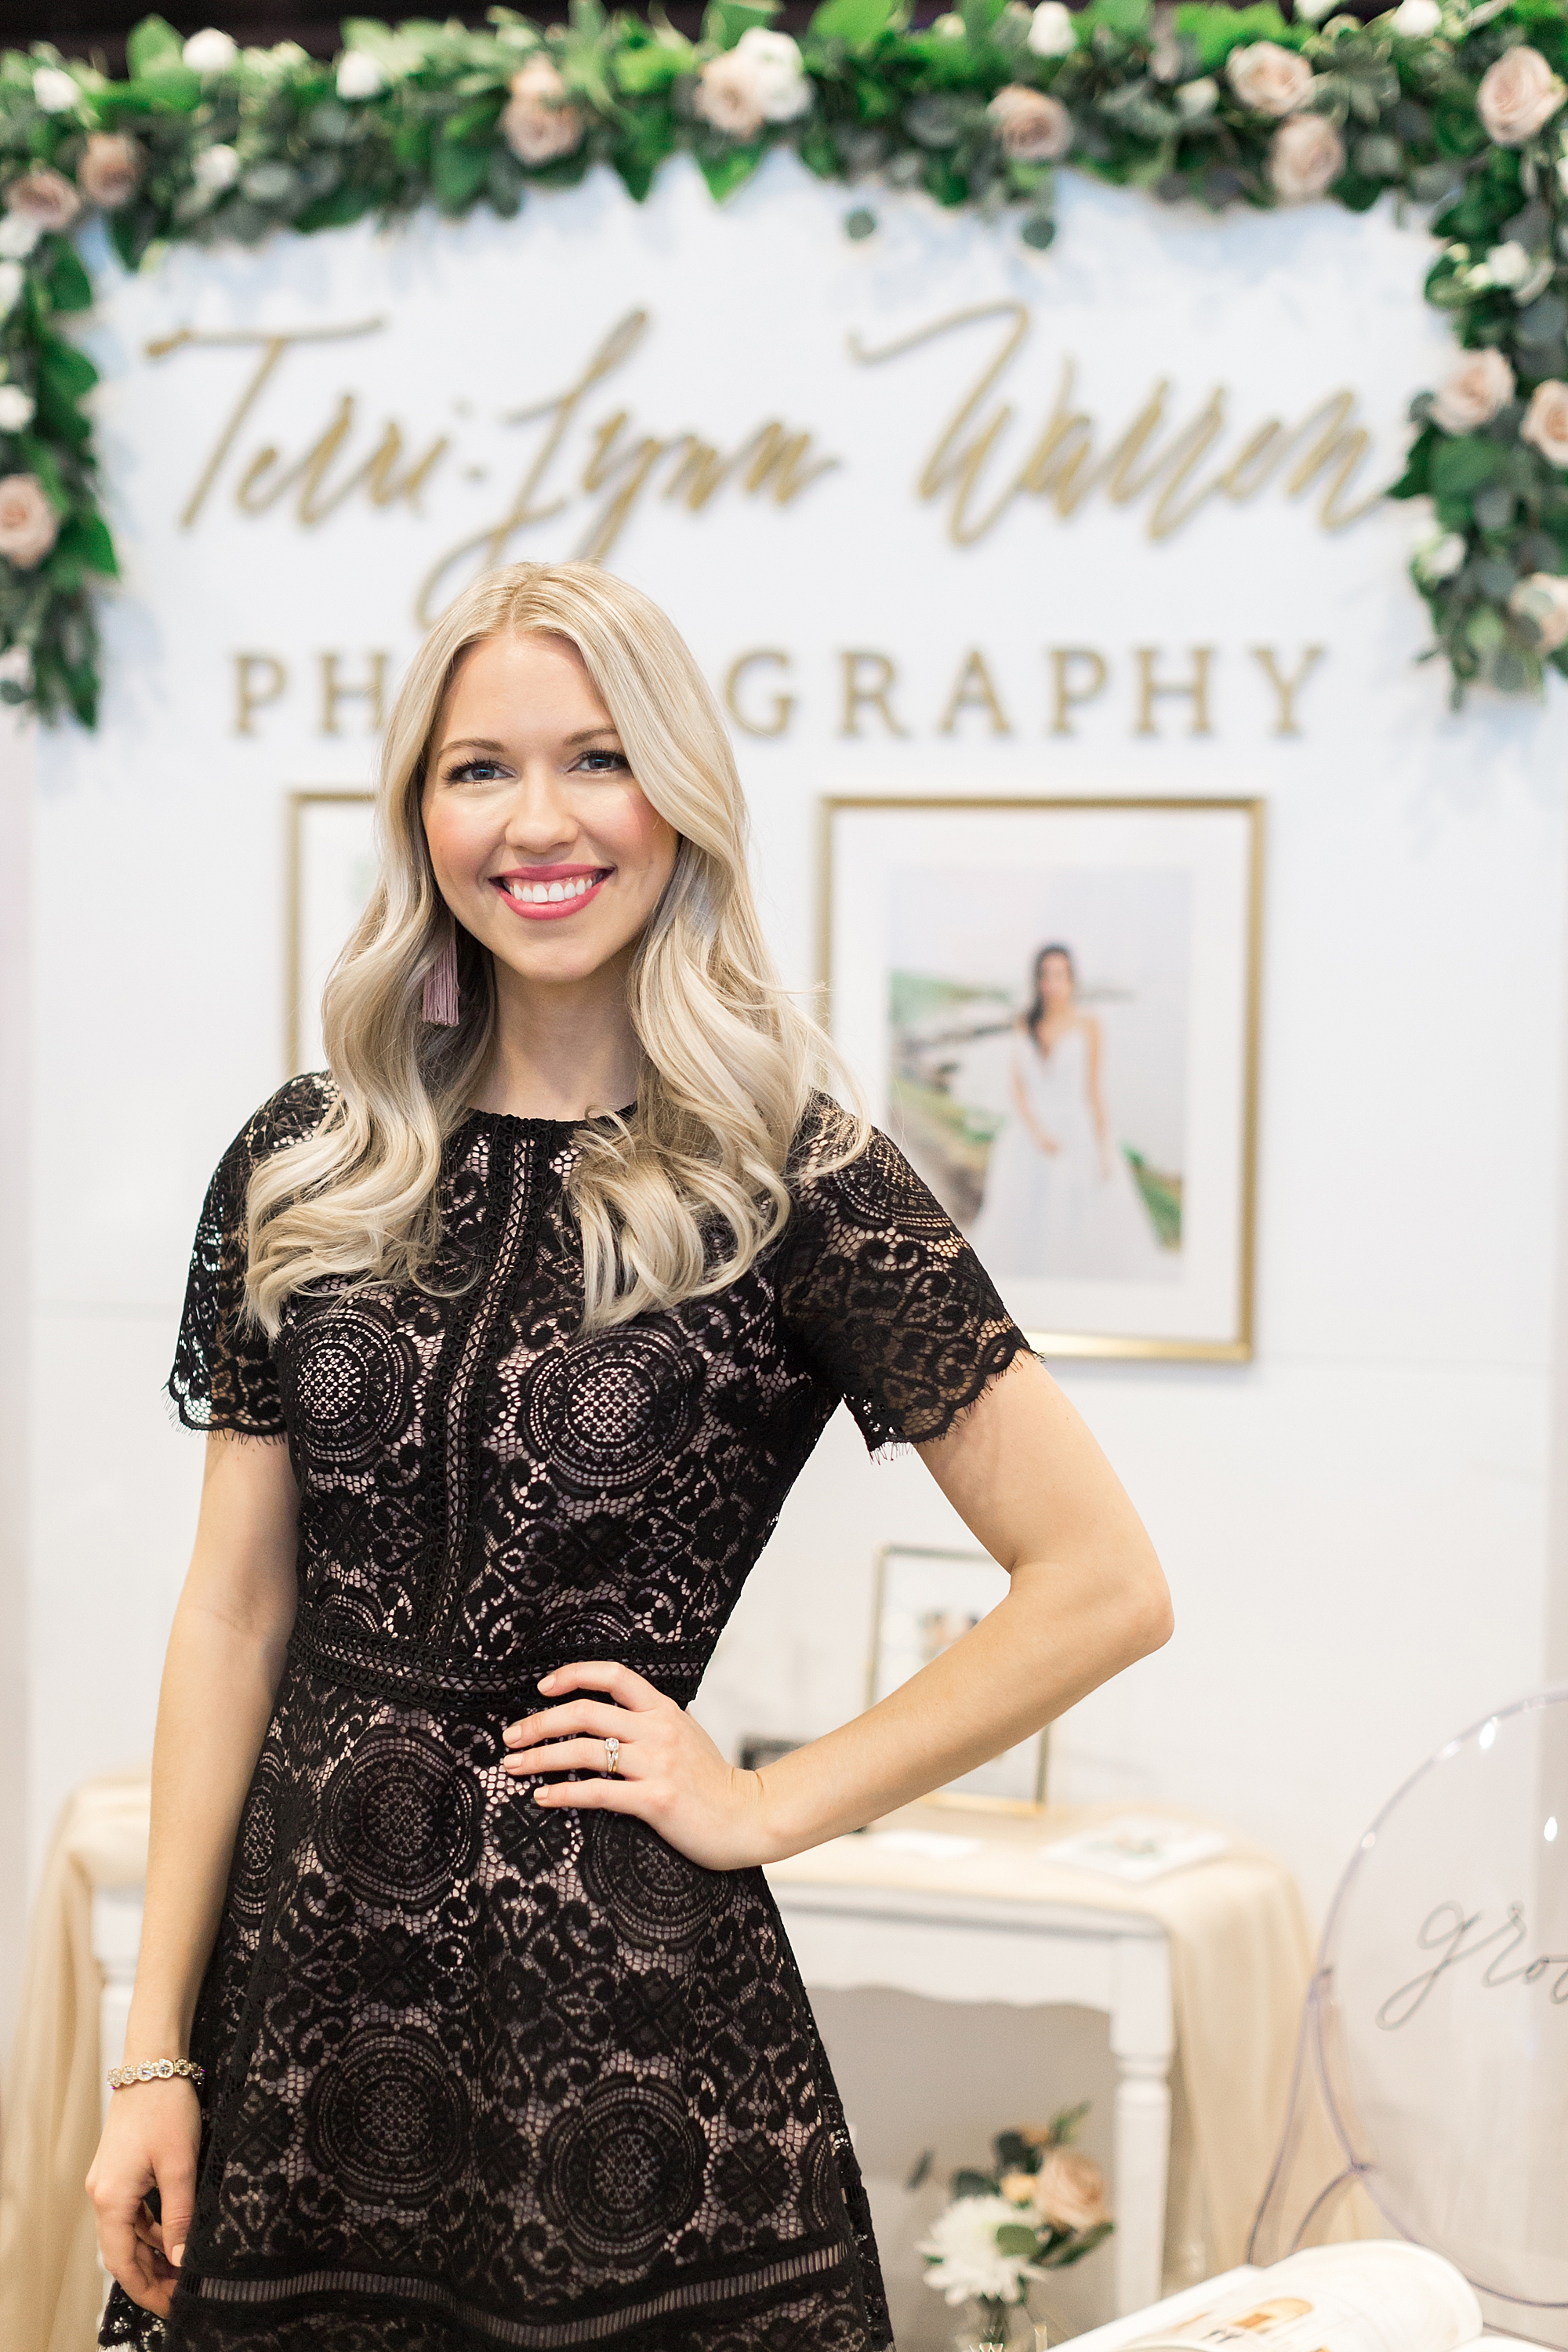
x,y
1457,109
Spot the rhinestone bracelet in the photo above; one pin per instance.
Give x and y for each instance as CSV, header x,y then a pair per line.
x,y
154,2070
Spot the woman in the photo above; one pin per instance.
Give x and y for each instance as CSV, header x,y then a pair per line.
x,y
1059,1196
510,1337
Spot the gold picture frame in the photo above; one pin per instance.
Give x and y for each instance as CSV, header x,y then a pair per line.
x,y
1229,1337
303,920
927,1598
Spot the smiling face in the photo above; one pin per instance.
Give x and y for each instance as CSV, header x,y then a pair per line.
x,y
544,845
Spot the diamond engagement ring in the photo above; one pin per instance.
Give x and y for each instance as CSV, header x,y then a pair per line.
x,y
612,1757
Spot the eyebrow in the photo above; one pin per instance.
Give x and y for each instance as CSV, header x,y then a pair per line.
x,y
489,743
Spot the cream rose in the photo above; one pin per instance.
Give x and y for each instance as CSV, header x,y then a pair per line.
x,y
43,198
55,90
16,408
759,81
1051,33
1517,95
1472,395
29,523
360,76
1546,422
210,51
1542,599
1030,127
1070,2189
1267,79
216,169
1416,20
1306,156
109,171
538,124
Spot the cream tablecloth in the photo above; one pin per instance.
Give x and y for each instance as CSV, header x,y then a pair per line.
x,y
1241,1954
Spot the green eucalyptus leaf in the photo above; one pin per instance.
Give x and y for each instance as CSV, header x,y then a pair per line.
x,y
724,21
69,286
859,24
1459,467
1016,2238
151,43
725,174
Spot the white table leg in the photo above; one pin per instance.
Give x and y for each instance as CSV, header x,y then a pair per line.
x,y
1142,2039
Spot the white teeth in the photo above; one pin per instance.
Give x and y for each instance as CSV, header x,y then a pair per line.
x,y
536,894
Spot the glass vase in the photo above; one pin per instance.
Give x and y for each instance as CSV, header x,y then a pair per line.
x,y
993,2325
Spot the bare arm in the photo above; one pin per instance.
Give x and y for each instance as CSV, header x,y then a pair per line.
x,y
1096,1092
1021,1102
220,1679
1087,1599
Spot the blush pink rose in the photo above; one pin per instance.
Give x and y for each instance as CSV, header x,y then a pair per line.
x,y
1542,599
45,198
538,124
1306,156
1030,127
1518,96
110,170
1070,2189
29,523
1546,422
1267,79
1472,395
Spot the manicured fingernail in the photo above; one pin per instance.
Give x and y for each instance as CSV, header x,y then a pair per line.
x,y
178,2256
547,1682
509,1736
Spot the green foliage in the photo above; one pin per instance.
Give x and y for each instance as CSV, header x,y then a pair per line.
x,y
1152,105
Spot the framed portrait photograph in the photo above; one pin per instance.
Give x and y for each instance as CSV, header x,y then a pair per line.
x,y
332,870
1052,1006
925,1602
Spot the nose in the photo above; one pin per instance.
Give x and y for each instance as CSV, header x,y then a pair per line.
x,y
539,820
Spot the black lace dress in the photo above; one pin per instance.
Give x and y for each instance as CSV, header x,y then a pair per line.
x,y
483,2075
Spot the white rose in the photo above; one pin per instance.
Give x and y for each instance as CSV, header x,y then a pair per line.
x,y
1416,20
782,88
1543,599
759,80
210,51
1545,421
16,408
1508,265
1050,30
214,169
1267,79
1312,12
19,232
13,278
1439,559
55,92
949,27
1472,395
1306,156
359,75
1518,96
1195,98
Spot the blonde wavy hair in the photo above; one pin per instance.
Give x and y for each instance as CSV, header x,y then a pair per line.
x,y
678,1202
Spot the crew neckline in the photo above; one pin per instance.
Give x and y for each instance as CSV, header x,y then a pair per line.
x,y
517,1119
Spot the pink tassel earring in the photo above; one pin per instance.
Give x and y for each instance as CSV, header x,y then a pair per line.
x,y
441,987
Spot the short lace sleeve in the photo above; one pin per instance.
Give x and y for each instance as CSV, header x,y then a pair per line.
x,y
224,1376
882,1294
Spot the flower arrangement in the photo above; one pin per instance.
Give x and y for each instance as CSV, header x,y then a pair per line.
x,y
1454,108
1042,2207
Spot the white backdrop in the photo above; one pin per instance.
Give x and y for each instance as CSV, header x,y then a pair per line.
x,y
1355,1524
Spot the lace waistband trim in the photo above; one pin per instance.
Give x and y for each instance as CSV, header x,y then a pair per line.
x,y
530,2336
402,1669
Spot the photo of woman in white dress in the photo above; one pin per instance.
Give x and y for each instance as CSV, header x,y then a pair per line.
x,y
1061,1199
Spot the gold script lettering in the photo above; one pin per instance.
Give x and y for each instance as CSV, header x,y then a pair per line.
x,y
966,463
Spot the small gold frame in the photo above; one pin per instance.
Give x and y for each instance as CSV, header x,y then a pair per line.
x,y
962,1800
1238,1351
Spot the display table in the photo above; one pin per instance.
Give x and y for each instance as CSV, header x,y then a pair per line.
x,y
1205,1971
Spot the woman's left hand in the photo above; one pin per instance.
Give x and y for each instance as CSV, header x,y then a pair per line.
x,y
667,1771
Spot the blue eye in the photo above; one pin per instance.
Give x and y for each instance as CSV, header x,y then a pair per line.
x,y
474,772
615,762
